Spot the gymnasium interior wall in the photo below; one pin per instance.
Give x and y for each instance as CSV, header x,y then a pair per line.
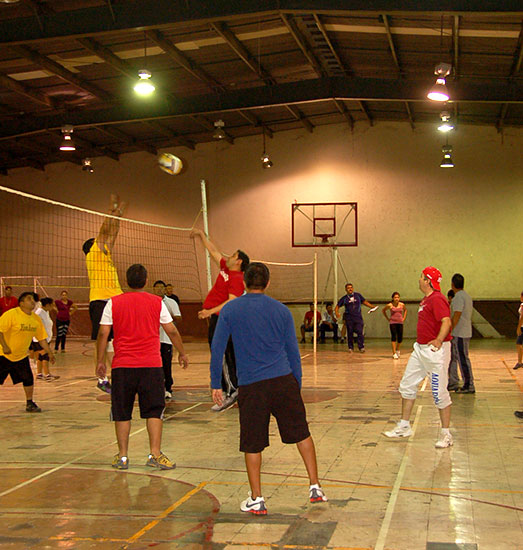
x,y
412,213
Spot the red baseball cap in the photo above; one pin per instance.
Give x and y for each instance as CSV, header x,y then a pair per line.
x,y
434,275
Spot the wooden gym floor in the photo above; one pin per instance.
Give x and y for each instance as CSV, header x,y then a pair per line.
x,y
58,490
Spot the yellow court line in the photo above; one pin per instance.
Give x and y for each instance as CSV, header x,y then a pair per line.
x,y
164,514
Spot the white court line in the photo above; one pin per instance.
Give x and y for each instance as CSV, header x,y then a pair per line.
x,y
424,385
78,458
382,535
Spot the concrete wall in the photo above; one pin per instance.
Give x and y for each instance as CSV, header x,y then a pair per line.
x,y
411,212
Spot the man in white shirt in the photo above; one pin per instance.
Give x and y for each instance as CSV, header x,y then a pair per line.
x,y
166,347
328,322
461,317
42,358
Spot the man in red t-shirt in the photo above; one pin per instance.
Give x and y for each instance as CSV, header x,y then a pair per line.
x,y
8,301
308,325
430,357
136,317
229,285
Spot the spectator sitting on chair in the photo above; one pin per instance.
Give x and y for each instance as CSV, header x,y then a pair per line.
x,y
328,322
307,322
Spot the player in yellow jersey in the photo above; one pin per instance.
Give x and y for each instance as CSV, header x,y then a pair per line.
x,y
17,328
103,277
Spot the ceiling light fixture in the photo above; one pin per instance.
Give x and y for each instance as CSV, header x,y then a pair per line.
x,y
87,165
446,161
266,161
219,133
446,125
144,86
439,91
9,1
67,141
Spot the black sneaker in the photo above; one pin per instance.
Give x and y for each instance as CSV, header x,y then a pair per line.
x,y
518,414
465,389
104,385
32,407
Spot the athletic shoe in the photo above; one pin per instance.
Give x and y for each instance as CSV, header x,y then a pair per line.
x,y
342,340
316,494
465,389
399,354
395,356
452,387
120,463
168,395
32,407
228,402
161,462
362,350
104,385
254,506
50,377
444,441
350,350
399,431
39,376
517,366
518,414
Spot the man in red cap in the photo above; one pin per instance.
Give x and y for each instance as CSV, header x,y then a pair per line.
x,y
430,357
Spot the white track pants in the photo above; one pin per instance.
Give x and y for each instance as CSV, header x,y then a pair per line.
x,y
434,364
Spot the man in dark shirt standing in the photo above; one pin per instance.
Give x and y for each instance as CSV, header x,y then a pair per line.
x,y
269,377
352,316
430,357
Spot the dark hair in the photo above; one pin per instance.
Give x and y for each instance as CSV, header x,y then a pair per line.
x,y
394,294
257,276
136,276
46,301
458,281
159,282
328,304
87,245
23,296
348,284
36,296
245,260
11,288
451,294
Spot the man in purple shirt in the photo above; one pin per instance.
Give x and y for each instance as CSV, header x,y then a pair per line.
x,y
268,365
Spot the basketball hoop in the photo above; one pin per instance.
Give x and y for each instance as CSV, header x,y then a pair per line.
x,y
324,238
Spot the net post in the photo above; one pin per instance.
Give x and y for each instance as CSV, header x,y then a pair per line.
x,y
206,230
335,271
315,292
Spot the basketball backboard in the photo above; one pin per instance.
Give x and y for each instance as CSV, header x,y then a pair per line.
x,y
329,224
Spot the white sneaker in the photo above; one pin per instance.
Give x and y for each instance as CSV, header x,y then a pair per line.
x,y
168,395
399,431
395,356
445,440
316,494
398,353
254,506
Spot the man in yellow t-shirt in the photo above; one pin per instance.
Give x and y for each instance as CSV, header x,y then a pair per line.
x,y
103,277
17,328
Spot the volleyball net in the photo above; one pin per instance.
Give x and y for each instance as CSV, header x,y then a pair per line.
x,y
41,248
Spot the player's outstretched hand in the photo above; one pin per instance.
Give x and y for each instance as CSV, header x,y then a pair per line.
x,y
183,361
217,397
204,314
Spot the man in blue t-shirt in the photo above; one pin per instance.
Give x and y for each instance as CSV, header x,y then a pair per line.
x,y
268,366
352,318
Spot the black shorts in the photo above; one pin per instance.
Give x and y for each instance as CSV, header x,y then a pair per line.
x,y
396,332
20,371
35,346
278,396
147,382
519,340
96,309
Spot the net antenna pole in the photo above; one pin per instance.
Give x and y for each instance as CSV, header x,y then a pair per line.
x,y
206,231
315,292
334,265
